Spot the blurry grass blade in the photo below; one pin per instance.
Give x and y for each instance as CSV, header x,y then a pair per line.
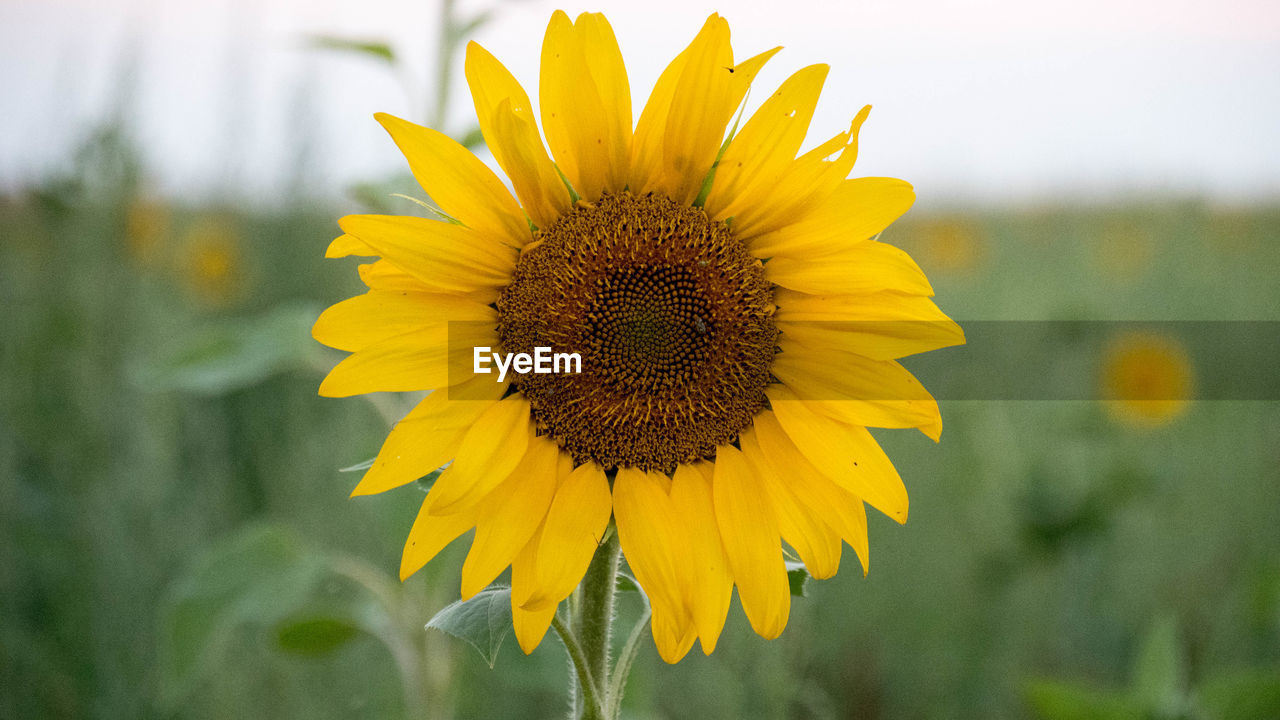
x,y
472,138
374,49
483,621
462,31
1158,673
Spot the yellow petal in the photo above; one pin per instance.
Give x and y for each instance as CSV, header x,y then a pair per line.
x,y
858,209
881,326
758,155
442,255
429,535
463,186
347,245
681,127
382,275
845,453
699,113
426,438
855,389
868,266
586,103
358,322
838,508
507,122
524,570
709,584
816,543
510,515
575,524
749,529
416,360
486,456
804,186
531,625
646,165
673,635
650,533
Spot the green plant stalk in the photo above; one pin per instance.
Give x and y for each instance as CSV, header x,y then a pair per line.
x,y
589,633
446,50
594,622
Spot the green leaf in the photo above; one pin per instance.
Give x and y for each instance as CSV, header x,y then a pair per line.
x,y
483,621
229,355
257,574
1158,673
314,635
797,577
1242,694
626,583
374,49
1054,700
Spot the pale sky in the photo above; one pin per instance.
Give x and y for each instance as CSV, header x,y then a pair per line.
x,y
985,100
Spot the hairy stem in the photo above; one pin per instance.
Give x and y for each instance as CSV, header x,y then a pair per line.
x,y
594,622
618,683
586,686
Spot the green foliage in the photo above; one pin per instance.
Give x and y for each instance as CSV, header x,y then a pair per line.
x,y
1159,689
1252,694
254,576
626,583
312,635
482,621
1159,678
1062,701
232,354
797,578
264,579
373,49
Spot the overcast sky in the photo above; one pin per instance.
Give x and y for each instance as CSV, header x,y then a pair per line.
x,y
989,100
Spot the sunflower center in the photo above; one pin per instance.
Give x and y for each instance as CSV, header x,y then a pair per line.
x,y
673,319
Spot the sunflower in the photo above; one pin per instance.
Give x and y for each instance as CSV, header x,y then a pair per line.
x,y
739,327
1146,378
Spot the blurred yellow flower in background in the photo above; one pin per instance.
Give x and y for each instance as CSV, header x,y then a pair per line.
x,y
948,244
1147,379
724,401
212,261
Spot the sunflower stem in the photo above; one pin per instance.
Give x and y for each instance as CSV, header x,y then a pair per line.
x,y
582,686
593,624
618,683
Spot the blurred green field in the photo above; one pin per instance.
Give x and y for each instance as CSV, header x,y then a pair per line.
x,y
178,542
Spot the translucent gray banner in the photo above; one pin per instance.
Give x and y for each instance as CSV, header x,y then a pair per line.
x,y
1000,360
